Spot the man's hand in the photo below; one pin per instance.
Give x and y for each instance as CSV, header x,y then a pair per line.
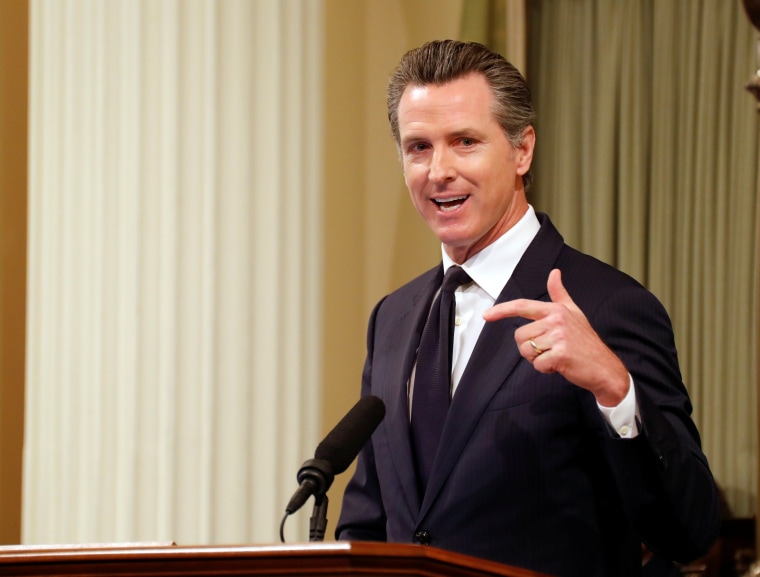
x,y
560,339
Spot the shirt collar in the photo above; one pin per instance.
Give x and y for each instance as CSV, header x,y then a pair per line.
x,y
492,267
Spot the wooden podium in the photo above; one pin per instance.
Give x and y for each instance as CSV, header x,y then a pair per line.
x,y
320,559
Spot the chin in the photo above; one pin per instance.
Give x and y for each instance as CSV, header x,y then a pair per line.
x,y
456,247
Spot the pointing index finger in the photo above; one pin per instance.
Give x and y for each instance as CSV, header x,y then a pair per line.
x,y
525,308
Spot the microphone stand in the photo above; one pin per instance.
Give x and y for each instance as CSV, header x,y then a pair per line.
x,y
318,520
333,455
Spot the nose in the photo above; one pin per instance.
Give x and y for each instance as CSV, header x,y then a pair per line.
x,y
441,167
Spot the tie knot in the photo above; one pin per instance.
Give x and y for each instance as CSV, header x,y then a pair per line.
x,y
455,277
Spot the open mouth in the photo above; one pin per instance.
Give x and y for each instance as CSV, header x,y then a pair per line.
x,y
449,204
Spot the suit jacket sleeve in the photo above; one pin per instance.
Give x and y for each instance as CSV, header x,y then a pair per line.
x,y
663,476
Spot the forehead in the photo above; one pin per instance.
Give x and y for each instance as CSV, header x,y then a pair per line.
x,y
468,99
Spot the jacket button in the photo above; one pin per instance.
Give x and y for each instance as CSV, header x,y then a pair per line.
x,y
422,537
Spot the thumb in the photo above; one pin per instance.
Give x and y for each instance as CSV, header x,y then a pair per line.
x,y
557,291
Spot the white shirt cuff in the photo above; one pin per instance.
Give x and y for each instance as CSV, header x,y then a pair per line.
x,y
623,417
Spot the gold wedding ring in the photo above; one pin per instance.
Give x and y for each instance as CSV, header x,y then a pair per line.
x,y
535,347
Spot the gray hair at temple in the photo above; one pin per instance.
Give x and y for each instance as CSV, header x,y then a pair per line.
x,y
442,61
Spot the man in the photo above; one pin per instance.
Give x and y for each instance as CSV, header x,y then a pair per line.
x,y
568,439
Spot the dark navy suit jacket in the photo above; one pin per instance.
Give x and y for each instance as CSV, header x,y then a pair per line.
x,y
528,472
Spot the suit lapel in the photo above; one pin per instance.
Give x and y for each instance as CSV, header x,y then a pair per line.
x,y
406,332
494,358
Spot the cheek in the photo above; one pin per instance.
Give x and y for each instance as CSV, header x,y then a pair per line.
x,y
415,180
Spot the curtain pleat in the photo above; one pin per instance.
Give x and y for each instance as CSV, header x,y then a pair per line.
x,y
500,25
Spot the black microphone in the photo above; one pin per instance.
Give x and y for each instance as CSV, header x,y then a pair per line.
x,y
337,450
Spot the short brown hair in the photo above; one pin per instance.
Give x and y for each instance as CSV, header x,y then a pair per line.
x,y
442,61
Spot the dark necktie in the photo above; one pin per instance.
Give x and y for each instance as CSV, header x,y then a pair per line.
x,y
432,380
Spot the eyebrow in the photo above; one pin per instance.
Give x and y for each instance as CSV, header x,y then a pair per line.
x,y
458,133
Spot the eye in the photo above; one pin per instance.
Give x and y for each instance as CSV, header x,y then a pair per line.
x,y
417,147
466,141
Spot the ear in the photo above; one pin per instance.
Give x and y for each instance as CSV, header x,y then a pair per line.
x,y
524,152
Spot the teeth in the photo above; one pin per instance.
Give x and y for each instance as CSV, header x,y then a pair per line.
x,y
448,204
448,200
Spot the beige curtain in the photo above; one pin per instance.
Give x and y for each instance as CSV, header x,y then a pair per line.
x,y
175,221
647,158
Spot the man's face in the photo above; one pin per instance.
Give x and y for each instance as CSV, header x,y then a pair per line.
x,y
463,174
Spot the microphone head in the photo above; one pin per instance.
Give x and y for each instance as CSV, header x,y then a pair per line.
x,y
341,445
